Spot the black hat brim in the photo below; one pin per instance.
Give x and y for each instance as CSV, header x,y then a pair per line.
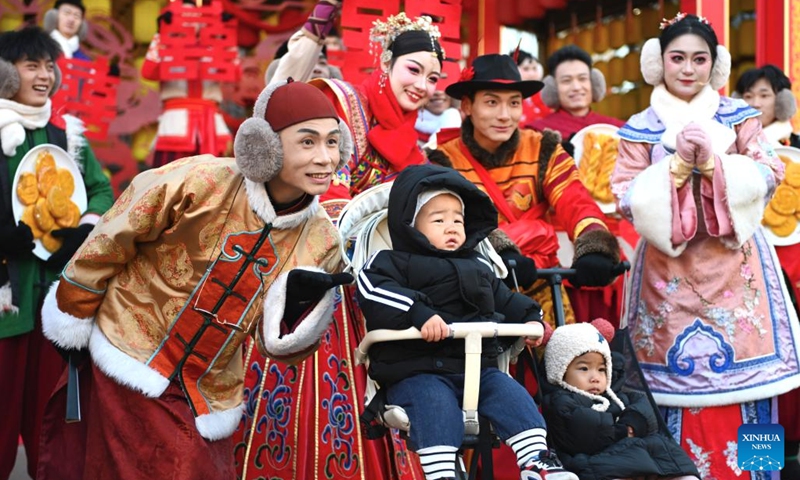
x,y
459,90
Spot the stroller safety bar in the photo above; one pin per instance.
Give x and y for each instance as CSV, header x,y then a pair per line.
x,y
473,334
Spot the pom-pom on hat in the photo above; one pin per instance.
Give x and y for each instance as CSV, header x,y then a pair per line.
x,y
571,341
257,147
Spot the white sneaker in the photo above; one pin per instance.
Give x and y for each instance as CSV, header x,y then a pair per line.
x,y
546,467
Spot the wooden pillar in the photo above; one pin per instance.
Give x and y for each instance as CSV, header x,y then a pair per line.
x,y
772,33
484,24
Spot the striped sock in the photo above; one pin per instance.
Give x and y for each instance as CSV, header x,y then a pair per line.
x,y
438,462
528,444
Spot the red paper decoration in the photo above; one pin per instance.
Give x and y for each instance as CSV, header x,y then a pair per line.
x,y
89,93
198,45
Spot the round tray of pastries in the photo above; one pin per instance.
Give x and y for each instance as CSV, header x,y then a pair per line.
x,y
595,157
781,218
48,194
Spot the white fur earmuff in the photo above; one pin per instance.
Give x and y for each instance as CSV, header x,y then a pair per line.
x,y
785,105
550,90
10,82
652,65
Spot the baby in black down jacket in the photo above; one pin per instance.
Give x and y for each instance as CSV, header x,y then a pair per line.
x,y
433,276
601,434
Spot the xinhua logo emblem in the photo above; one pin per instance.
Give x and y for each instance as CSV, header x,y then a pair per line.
x,y
761,447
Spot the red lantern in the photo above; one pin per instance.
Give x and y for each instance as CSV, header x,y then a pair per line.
x,y
553,4
530,9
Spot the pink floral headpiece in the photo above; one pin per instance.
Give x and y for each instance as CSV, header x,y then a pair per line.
x,y
680,16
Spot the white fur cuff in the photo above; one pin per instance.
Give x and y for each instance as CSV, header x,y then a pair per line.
x,y
123,369
218,425
650,198
746,190
62,328
307,333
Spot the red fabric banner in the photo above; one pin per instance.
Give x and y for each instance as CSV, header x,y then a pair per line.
x,y
89,93
198,45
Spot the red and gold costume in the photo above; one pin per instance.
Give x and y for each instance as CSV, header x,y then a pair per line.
x,y
529,196
190,262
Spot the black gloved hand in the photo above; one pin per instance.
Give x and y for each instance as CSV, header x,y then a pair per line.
x,y
304,288
524,267
113,70
16,240
635,420
226,16
78,354
569,147
165,17
595,270
73,239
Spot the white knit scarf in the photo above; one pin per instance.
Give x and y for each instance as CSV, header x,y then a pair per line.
x,y
15,118
777,131
68,45
675,114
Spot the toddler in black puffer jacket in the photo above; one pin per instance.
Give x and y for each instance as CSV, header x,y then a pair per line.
x,y
601,434
433,276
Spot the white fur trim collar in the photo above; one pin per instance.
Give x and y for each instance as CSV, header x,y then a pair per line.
x,y
261,204
307,333
15,118
61,328
124,369
217,425
68,45
777,131
675,114
75,139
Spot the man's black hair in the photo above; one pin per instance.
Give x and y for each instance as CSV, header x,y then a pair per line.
x,y
522,56
29,43
776,78
565,54
690,24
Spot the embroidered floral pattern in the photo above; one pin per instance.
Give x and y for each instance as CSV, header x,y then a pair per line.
x,y
342,462
701,459
731,457
647,323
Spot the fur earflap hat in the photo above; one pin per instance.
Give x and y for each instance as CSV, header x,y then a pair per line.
x,y
571,341
257,147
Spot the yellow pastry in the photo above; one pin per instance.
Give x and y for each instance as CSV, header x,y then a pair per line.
x,y
27,219
42,215
51,243
57,202
71,219
65,181
27,190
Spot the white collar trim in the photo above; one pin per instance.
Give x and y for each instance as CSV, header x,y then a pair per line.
x,y
259,201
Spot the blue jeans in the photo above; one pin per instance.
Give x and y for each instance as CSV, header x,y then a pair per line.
x,y
433,405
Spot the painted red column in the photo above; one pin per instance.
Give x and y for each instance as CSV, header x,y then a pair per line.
x,y
488,28
772,33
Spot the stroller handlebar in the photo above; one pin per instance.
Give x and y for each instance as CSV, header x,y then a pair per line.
x,y
457,331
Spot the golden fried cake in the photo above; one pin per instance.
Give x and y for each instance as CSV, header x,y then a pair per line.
x,y
57,202
71,219
27,189
65,181
27,219
51,243
42,215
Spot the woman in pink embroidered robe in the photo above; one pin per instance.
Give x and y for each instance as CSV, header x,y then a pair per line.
x,y
708,312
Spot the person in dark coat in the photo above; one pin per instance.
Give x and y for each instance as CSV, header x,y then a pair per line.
x,y
600,433
431,278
